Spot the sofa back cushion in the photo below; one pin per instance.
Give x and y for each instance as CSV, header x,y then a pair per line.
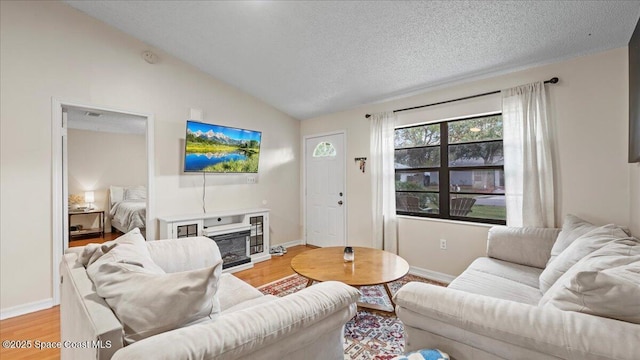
x,y
604,283
184,254
524,246
579,248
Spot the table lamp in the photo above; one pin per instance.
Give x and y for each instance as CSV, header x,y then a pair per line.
x,y
89,198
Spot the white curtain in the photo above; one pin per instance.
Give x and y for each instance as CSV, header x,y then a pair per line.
x,y
383,194
528,168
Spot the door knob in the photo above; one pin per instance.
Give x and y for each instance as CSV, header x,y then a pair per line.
x,y
340,202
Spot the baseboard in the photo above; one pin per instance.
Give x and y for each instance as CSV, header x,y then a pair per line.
x,y
432,275
26,308
260,258
289,244
238,268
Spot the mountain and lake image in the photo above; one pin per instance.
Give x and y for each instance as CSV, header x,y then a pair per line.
x,y
221,149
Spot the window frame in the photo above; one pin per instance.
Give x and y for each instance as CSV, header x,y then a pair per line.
x,y
444,171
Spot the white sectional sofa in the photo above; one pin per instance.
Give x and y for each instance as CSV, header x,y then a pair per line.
x,y
496,309
246,324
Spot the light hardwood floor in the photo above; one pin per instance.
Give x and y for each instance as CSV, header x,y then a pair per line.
x,y
94,240
44,326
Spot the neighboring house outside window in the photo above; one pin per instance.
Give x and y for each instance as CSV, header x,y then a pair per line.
x,y
452,170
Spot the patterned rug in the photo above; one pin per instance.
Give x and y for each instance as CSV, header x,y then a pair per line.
x,y
369,335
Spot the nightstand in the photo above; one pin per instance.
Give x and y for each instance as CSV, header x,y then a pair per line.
x,y
84,232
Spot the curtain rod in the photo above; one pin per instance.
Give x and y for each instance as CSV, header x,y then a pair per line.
x,y
553,80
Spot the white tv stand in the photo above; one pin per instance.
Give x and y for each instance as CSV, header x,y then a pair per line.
x,y
223,222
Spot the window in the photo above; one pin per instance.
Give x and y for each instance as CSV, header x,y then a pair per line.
x,y
324,149
452,170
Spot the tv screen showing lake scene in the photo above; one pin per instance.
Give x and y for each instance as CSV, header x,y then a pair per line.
x,y
221,149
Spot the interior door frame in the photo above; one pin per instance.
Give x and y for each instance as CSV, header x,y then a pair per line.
x,y
59,209
304,181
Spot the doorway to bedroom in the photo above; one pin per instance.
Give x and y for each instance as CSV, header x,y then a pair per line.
x,y
102,170
106,174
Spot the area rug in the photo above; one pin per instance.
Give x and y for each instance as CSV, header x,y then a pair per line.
x,y
369,335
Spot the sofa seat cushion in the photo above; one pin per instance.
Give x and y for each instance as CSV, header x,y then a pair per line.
x,y
233,291
500,279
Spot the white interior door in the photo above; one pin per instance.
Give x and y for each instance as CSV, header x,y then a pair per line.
x,y
325,190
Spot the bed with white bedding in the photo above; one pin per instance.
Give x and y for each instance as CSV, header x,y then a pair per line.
x,y
128,207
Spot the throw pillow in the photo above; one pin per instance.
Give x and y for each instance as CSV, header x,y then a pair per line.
x,y
425,354
605,283
572,228
148,303
579,248
92,252
128,248
88,252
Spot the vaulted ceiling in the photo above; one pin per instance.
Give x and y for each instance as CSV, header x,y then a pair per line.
x,y
309,58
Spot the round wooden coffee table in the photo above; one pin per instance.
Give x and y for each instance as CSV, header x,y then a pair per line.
x,y
370,267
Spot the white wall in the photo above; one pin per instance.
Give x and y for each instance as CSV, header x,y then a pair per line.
x,y
100,159
50,50
590,114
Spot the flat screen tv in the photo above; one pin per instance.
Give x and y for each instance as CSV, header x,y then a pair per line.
x,y
220,149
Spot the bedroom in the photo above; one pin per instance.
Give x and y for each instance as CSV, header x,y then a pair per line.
x,y
106,154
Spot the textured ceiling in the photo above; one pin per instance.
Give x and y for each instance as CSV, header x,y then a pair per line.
x,y
309,58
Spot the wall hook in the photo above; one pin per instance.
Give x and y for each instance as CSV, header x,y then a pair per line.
x,y
363,162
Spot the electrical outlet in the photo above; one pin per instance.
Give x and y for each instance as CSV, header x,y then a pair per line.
x,y
251,179
443,244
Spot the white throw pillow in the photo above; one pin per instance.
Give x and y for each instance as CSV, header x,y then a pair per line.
x,y
148,303
579,248
572,228
129,248
92,252
604,283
